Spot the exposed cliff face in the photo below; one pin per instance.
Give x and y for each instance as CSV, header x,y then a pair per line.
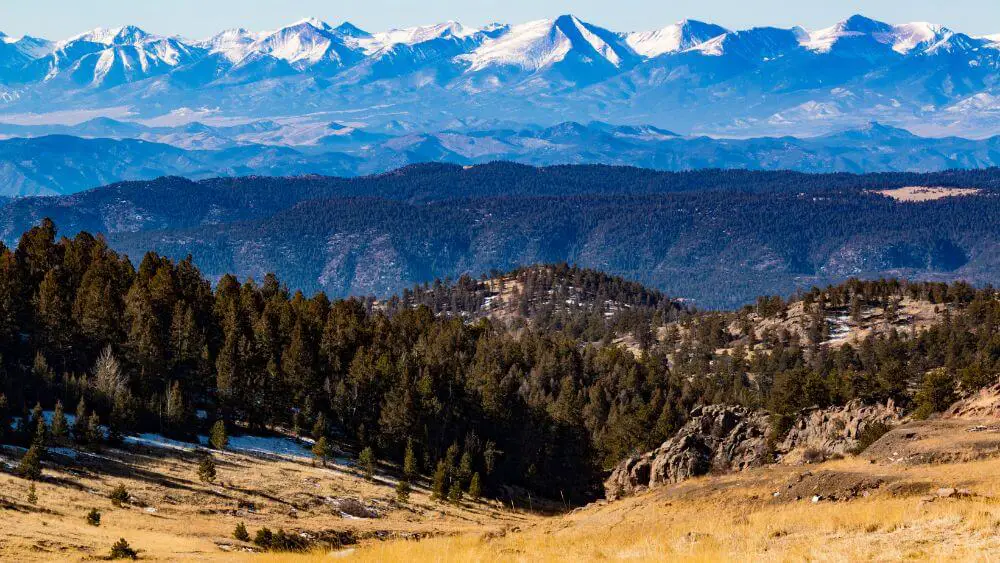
x,y
836,430
721,438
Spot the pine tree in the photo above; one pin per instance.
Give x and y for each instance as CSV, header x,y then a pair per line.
x,y
455,493
94,434
475,489
319,429
440,486
177,413
464,472
30,466
206,469
403,490
37,417
32,494
409,462
60,426
367,462
218,438
321,449
80,423
241,532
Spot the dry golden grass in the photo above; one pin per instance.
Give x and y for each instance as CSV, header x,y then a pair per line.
x,y
735,518
176,517
720,518
921,193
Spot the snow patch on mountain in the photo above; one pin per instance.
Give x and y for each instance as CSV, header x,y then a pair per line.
x,y
416,35
542,43
674,38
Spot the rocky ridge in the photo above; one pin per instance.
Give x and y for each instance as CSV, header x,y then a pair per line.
x,y
724,438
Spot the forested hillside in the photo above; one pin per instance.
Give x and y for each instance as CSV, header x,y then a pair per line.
x,y
539,404
717,237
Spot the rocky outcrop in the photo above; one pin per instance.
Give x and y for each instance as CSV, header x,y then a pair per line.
x,y
984,403
836,430
717,438
722,438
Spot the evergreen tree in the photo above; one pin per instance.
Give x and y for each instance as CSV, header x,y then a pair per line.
x,y
321,450
439,488
241,533
403,490
80,422
475,488
30,466
464,472
217,437
366,460
206,469
94,434
32,494
455,493
60,426
409,462
319,429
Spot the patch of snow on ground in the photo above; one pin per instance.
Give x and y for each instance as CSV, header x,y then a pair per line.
x,y
157,441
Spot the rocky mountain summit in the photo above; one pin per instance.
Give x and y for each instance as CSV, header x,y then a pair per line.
x,y
723,438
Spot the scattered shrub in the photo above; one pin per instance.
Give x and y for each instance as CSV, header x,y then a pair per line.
x,y
32,494
263,538
94,517
119,495
288,542
122,550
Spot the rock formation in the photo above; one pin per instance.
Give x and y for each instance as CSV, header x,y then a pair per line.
x,y
720,438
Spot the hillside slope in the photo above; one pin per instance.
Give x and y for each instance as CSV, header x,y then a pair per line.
x,y
719,238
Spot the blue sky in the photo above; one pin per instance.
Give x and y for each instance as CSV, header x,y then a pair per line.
x,y
200,18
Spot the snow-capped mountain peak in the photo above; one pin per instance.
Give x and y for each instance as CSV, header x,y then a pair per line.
x,y
311,22
823,40
348,29
417,35
124,35
904,39
305,42
232,44
680,36
543,43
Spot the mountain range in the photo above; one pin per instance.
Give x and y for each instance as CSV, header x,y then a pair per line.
x,y
65,160
690,77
